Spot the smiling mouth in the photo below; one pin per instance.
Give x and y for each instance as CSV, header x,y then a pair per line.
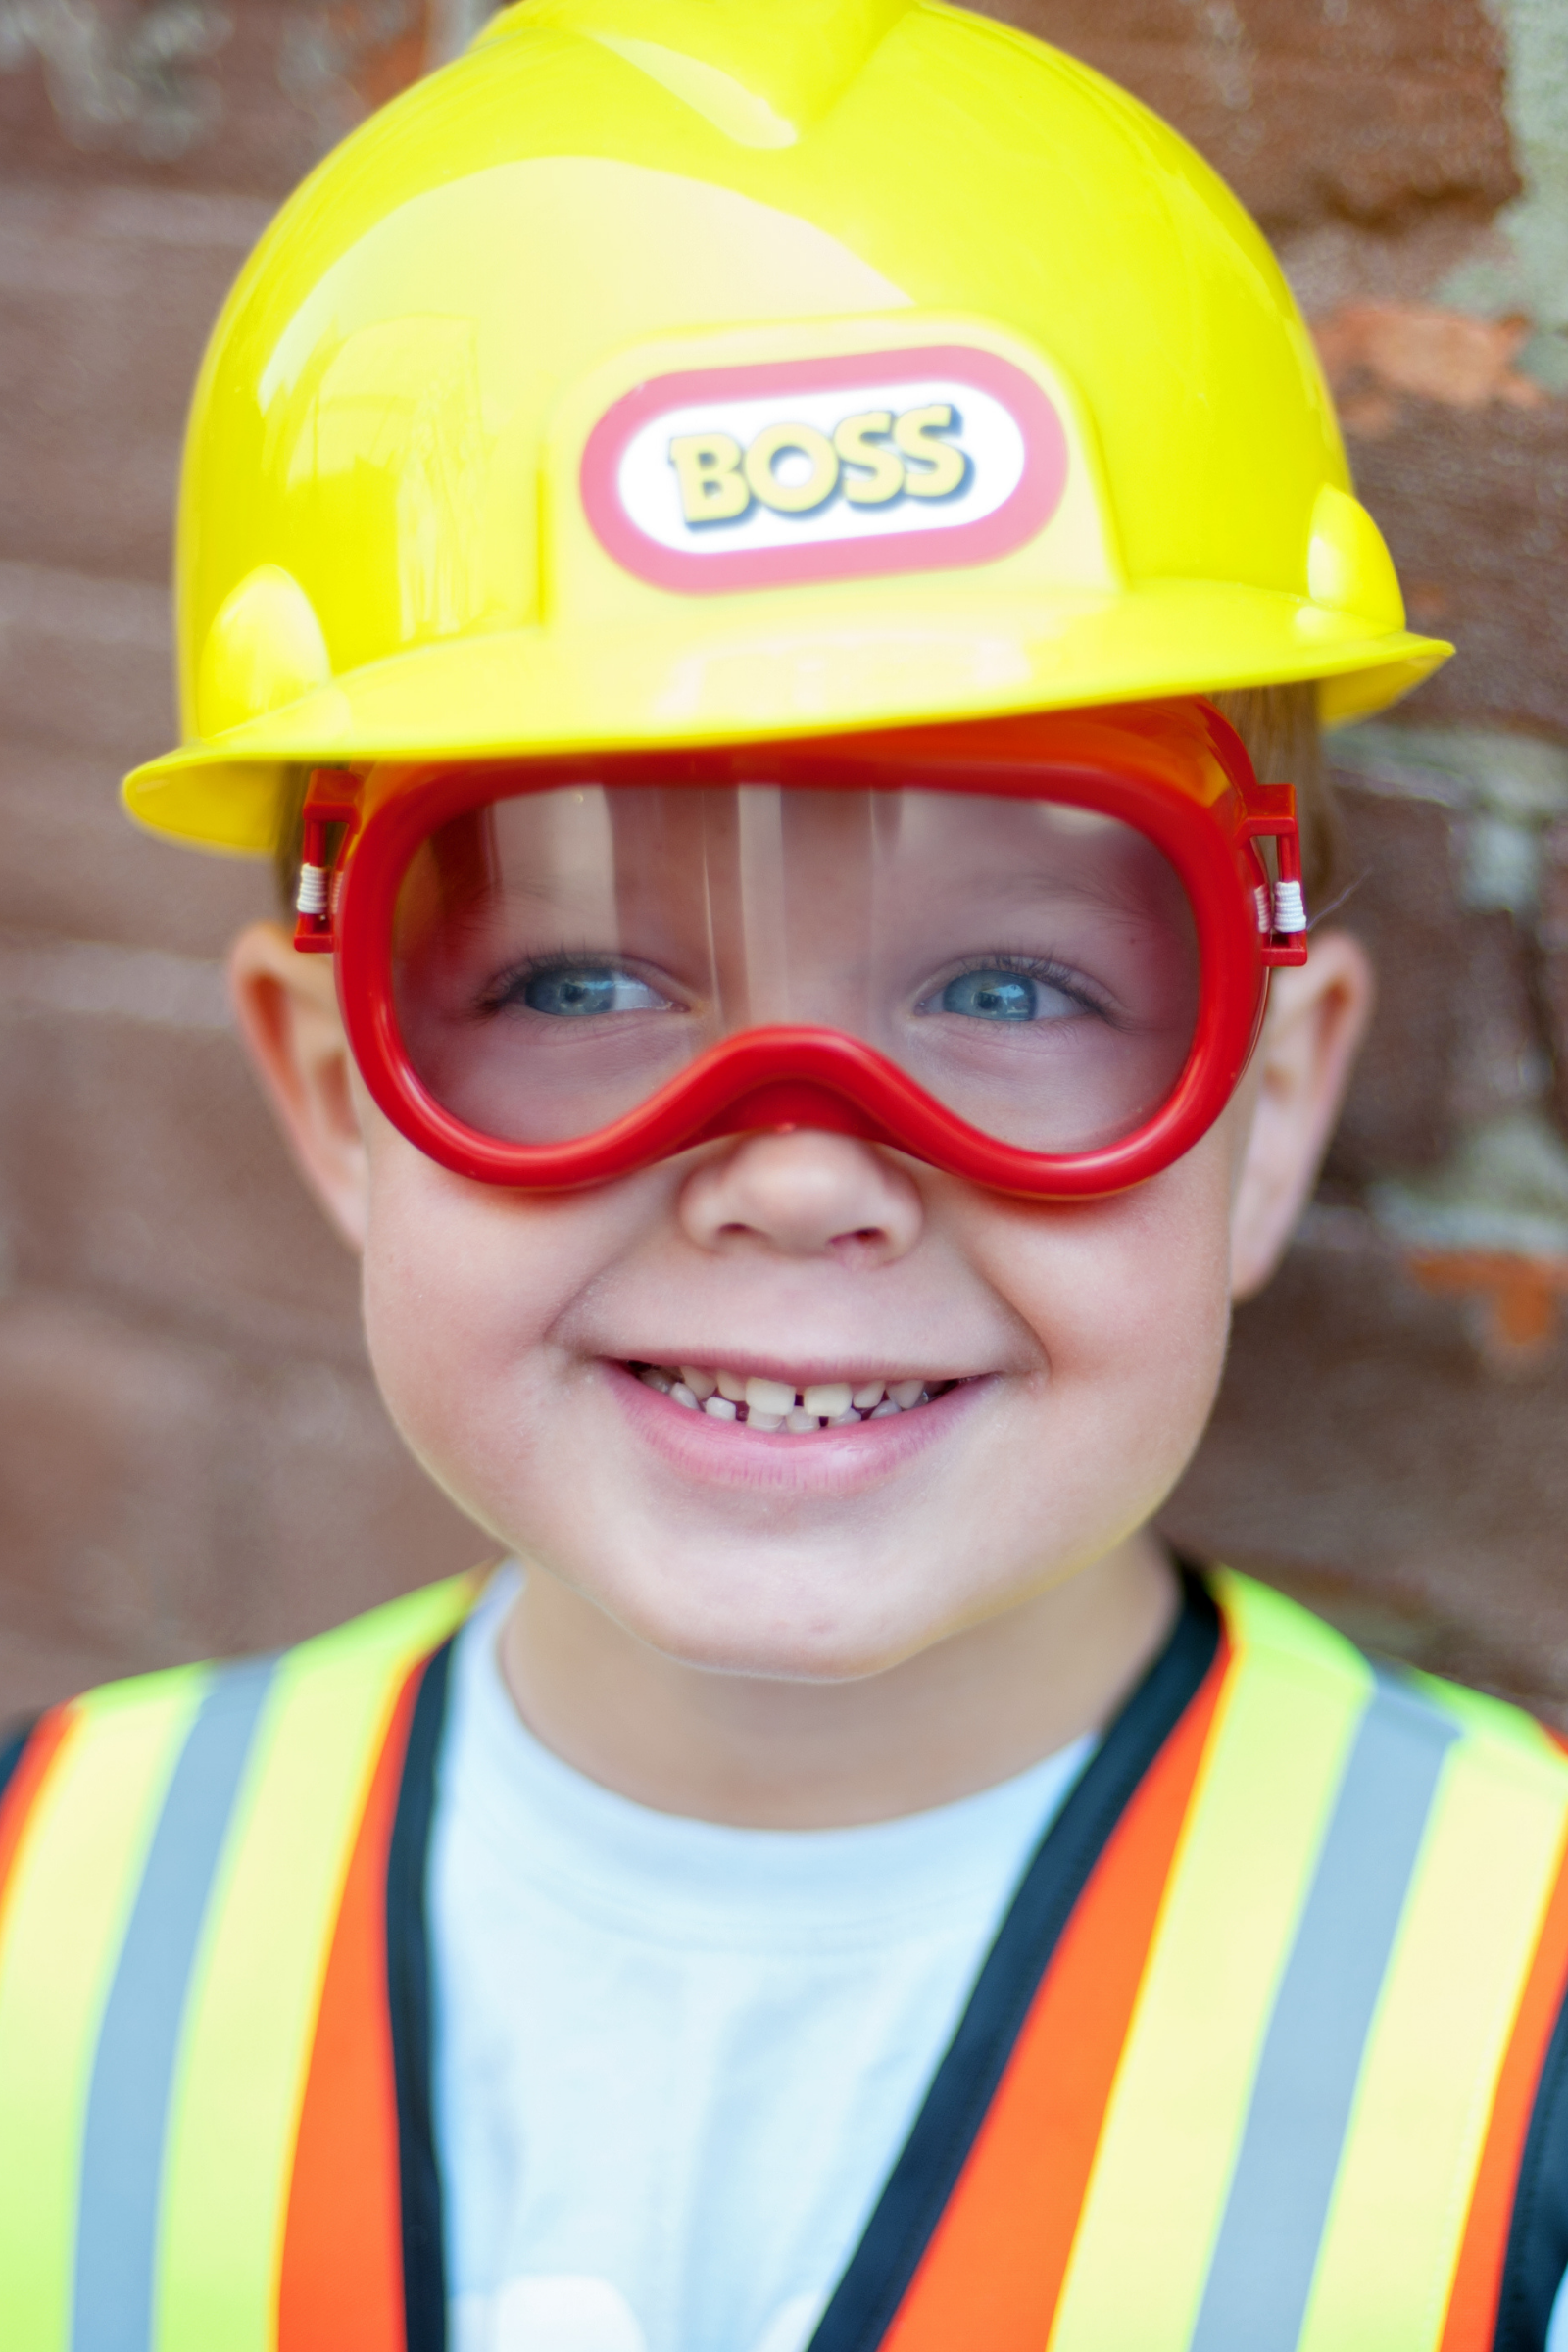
x,y
775,1405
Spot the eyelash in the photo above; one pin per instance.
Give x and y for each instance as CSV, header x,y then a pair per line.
x,y
1060,976
509,985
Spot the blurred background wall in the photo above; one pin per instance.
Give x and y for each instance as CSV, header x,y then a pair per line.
x,y
192,1457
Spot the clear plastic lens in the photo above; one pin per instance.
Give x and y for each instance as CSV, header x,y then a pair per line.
x,y
561,956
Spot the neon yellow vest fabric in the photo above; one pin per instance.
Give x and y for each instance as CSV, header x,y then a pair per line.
x,y
1266,2071
168,1909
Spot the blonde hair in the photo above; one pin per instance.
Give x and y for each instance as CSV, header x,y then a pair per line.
x,y
1279,725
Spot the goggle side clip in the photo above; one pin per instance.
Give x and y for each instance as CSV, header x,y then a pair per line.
x,y
332,808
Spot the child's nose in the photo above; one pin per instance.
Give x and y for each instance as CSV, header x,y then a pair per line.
x,y
804,1194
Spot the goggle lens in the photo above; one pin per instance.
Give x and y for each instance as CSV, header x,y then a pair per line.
x,y
560,955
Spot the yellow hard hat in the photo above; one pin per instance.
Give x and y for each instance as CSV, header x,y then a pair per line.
x,y
680,371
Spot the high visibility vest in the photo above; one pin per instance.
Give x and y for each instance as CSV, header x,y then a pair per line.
x,y
1265,2056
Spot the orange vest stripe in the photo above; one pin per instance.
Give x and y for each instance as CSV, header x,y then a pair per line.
x,y
342,2265
1472,2314
993,2271
250,2024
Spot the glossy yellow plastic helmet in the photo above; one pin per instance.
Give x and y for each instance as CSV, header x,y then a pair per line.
x,y
680,371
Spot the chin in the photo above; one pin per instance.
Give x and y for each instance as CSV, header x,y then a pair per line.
x,y
815,1645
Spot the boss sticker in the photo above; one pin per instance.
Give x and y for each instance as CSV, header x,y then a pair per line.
x,y
816,469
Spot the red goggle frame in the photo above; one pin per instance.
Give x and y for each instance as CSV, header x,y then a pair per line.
x,y
1177,773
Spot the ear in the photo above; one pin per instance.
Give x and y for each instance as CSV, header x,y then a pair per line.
x,y
286,1004
1317,1017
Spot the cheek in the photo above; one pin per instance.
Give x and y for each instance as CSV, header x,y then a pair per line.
x,y
1128,1300
463,1287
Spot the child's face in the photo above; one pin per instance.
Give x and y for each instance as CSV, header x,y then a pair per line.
x,y
1086,1343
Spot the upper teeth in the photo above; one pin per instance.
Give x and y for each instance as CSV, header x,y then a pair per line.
x,y
769,1404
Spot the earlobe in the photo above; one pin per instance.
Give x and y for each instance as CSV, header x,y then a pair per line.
x,y
286,1008
1316,1021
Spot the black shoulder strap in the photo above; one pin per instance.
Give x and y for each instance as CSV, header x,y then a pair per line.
x,y
13,1748
966,2082
1537,2258
407,1973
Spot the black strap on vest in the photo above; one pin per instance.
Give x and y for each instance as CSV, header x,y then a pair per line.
x,y
924,2178
408,1979
1537,2234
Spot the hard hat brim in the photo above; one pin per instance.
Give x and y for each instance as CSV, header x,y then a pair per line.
x,y
759,674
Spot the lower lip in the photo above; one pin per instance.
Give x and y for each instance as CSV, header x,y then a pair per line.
x,y
833,1461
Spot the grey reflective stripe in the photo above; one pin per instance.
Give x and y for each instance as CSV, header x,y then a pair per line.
x,y
1266,2251
138,2041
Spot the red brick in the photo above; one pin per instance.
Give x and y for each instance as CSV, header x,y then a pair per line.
x,y
216,1501
1553,933
1375,111
1375,352
73,865
137,1158
1453,1040
111,1523
337,1516
106,301
263,137
1402,901
1474,504
1364,1454
85,663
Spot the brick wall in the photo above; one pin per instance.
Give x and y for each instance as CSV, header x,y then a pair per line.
x,y
191,1454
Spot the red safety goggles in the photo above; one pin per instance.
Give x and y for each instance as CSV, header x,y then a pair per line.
x,y
1031,951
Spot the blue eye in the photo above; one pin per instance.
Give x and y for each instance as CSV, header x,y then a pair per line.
x,y
995,996
577,990
999,992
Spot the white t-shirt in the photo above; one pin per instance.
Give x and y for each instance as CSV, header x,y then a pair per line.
x,y
674,2062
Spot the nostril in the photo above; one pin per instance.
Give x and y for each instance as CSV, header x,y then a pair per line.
x,y
786,1192
864,1241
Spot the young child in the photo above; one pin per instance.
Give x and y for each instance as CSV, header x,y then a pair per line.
x,y
763,570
